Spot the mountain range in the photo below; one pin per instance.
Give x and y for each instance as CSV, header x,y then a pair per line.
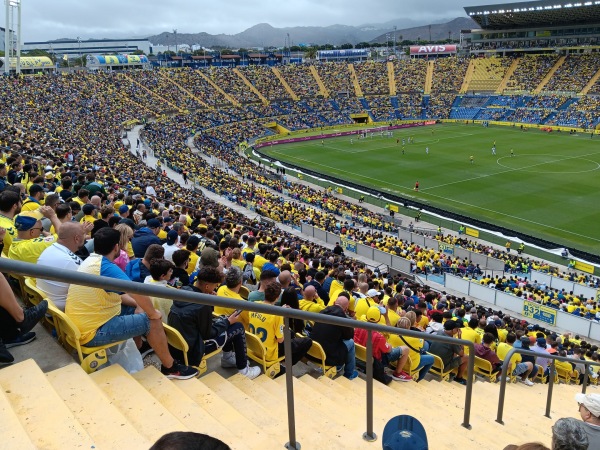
x,y
265,35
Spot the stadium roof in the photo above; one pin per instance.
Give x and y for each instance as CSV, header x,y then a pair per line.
x,y
537,13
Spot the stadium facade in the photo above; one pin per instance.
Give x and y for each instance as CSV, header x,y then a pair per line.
x,y
535,27
75,47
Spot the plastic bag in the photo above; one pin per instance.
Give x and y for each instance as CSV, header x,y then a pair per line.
x,y
126,355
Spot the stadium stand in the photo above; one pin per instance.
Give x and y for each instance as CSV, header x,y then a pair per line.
x,y
222,112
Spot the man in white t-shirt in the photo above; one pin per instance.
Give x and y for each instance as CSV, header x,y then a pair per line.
x,y
171,245
61,255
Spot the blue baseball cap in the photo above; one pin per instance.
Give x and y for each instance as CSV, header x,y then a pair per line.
x,y
404,433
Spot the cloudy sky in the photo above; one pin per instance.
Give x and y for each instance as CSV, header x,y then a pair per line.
x,y
52,19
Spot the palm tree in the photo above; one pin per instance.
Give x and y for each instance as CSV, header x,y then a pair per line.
x,y
310,53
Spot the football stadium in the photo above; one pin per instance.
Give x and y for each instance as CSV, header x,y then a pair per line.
x,y
397,254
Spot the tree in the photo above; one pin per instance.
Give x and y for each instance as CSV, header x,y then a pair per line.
x,y
138,52
362,45
296,48
226,52
346,46
310,53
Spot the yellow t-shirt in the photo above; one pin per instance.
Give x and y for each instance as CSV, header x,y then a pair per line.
x,y
29,250
268,328
86,218
89,308
224,291
415,358
192,263
30,205
502,351
315,306
8,224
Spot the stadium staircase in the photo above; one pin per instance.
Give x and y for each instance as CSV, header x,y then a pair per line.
x,y
568,103
429,77
394,102
111,409
322,89
549,75
155,95
468,77
109,89
221,91
365,104
357,89
487,75
251,86
285,84
168,79
548,118
507,76
591,83
391,78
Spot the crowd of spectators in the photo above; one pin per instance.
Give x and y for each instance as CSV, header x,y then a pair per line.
x,y
196,83
584,66
228,80
409,75
266,82
530,72
300,79
373,78
583,113
335,78
449,74
439,106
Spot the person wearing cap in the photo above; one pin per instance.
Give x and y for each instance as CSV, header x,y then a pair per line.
x,y
124,211
452,355
34,201
336,340
104,316
363,304
145,237
383,352
171,245
29,243
10,206
203,332
89,213
589,409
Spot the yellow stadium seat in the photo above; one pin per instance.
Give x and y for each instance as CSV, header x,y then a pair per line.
x,y
484,368
244,292
70,336
257,352
33,295
317,353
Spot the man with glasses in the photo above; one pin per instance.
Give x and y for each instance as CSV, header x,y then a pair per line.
x,y
589,409
31,241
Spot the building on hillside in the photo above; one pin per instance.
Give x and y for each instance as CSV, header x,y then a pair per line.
x,y
545,26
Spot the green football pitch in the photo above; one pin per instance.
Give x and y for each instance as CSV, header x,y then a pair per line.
x,y
550,188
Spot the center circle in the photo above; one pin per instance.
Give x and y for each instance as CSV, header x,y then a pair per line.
x,y
547,163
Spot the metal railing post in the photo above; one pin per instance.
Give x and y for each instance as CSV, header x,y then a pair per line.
x,y
469,393
503,377
551,375
289,385
369,435
585,380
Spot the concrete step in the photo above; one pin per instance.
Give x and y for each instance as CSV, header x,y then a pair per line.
x,y
187,411
12,432
94,411
309,429
256,411
144,412
238,425
40,410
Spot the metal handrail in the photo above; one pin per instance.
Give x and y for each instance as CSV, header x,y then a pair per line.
x,y
554,358
100,282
